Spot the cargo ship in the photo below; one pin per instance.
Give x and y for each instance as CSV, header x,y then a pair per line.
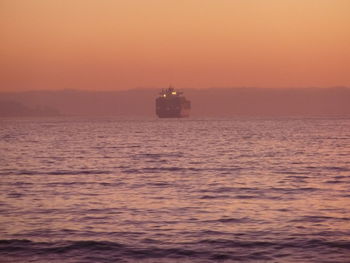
x,y
172,104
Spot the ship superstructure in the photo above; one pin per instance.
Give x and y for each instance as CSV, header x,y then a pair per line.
x,y
172,104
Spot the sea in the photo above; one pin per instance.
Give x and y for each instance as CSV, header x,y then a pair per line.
x,y
247,189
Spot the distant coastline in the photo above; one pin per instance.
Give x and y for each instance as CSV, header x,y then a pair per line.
x,y
17,109
212,102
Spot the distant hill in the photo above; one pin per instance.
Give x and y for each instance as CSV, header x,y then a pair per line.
x,y
16,109
205,102
270,102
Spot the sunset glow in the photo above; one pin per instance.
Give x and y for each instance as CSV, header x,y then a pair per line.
x,y
123,44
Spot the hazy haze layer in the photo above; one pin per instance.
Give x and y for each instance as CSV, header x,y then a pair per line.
x,y
213,102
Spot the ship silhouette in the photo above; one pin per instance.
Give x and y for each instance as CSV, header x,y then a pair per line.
x,y
172,104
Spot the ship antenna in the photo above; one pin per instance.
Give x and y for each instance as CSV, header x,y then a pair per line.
x,y
171,88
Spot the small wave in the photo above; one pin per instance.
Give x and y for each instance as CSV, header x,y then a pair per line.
x,y
236,243
159,155
298,178
179,169
319,219
55,247
337,168
69,183
278,244
334,182
88,251
247,196
58,172
215,197
111,249
15,195
231,220
153,170
66,246
229,189
295,190
83,245
79,172
290,172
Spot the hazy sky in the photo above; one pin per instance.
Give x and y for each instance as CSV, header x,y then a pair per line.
x,y
122,44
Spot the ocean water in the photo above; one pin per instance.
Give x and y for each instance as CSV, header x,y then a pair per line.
x,y
176,190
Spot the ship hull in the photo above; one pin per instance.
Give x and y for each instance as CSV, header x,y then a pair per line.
x,y
172,108
169,114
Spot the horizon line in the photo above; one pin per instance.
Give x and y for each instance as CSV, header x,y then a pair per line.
x,y
185,88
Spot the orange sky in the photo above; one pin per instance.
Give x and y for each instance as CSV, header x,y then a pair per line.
x,y
122,44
